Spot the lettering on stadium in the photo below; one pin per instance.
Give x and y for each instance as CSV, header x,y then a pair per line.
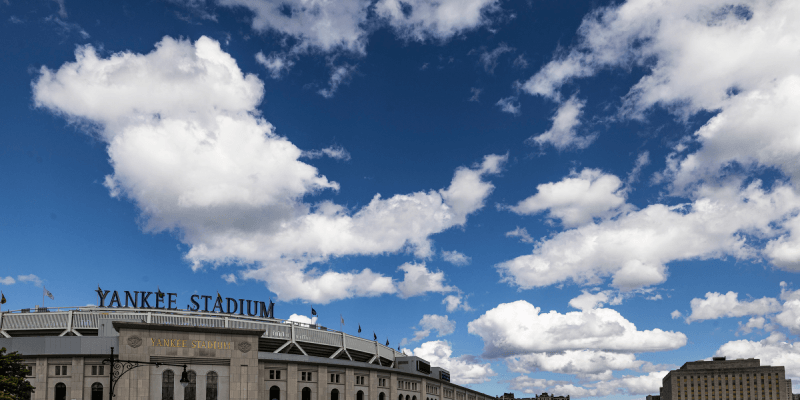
x,y
193,344
167,301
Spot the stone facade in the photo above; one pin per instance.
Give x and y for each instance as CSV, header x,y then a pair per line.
x,y
721,379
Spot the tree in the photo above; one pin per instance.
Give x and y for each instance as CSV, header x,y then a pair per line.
x,y
13,385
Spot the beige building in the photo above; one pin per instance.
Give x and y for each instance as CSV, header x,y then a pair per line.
x,y
227,357
722,379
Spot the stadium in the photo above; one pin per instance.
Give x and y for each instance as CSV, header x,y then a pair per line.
x,y
141,347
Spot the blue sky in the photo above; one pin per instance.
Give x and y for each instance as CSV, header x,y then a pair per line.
x,y
570,197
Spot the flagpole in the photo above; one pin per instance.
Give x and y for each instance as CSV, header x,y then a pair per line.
x,y
43,289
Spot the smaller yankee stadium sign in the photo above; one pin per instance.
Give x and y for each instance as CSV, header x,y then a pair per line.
x,y
159,300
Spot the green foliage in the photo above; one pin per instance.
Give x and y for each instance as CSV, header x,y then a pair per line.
x,y
13,385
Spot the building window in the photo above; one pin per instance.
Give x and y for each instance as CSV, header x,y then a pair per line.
x,y
274,374
61,391
168,385
211,386
381,396
335,394
190,391
97,391
306,394
360,395
335,378
274,393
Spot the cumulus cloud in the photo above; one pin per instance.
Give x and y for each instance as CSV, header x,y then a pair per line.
x,y
335,152
509,105
583,363
626,385
563,135
634,248
301,319
488,59
431,322
314,25
277,63
588,300
438,20
577,199
419,280
340,74
230,278
30,278
231,187
519,328
464,369
676,314
7,281
456,258
454,302
521,233
774,350
717,305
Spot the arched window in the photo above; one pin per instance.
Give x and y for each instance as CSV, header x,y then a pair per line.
x,y
190,391
211,386
274,393
408,397
414,398
360,395
168,385
97,391
335,394
61,391
381,396
400,398
306,394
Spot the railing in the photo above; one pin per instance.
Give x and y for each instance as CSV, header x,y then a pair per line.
x,y
88,318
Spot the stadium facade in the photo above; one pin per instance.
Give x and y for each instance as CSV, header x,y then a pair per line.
x,y
229,353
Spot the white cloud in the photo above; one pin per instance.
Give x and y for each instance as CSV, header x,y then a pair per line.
x,y
588,300
519,328
489,58
339,75
230,278
65,28
626,385
509,105
522,234
335,152
277,63
641,161
717,305
301,319
476,92
464,369
313,24
676,314
30,278
439,323
752,323
454,302
580,362
213,177
418,280
634,248
437,20
521,62
456,258
563,135
774,350
7,281
577,199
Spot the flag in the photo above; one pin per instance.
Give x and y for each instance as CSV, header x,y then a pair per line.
x,y
359,328
219,298
398,348
313,311
341,318
2,298
159,293
48,294
271,310
387,342
374,336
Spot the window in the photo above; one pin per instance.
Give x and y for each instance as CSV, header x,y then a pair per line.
x,y
61,391
274,393
97,391
58,370
306,394
360,395
381,396
335,394
335,378
167,385
274,374
190,391
302,376
211,386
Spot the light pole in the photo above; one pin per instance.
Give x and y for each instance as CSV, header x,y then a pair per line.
x,y
120,367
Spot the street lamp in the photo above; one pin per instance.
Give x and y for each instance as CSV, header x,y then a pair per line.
x,y
120,367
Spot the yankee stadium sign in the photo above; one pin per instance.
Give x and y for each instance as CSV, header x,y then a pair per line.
x,y
167,301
